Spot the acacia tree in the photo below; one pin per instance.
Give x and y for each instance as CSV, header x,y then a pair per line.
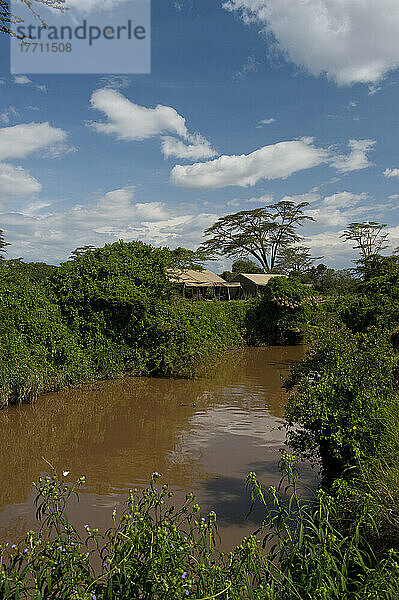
x,y
7,19
368,237
261,233
295,260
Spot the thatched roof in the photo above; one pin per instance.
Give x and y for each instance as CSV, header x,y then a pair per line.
x,y
256,278
205,278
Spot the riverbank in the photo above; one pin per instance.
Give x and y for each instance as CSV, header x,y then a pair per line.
x,y
113,312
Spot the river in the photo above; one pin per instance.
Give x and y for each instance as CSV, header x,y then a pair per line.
x,y
203,435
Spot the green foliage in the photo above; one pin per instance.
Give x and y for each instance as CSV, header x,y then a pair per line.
x,y
109,312
38,351
329,281
342,391
280,313
376,303
245,266
154,550
35,271
261,233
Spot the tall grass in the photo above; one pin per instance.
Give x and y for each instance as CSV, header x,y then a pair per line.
x,y
155,550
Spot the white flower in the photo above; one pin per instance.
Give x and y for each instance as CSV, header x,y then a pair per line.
x,y
65,473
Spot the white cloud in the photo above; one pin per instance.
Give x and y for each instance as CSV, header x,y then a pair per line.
x,y
357,159
261,200
21,140
339,209
200,148
129,121
42,232
15,181
351,40
21,79
277,161
393,197
391,172
266,121
8,114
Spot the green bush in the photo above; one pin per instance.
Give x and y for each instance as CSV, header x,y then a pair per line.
x,y
110,312
342,391
38,351
280,313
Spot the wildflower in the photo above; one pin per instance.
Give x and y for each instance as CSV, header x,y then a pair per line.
x,y
187,593
155,474
184,575
203,520
25,551
93,596
86,527
354,427
13,546
65,473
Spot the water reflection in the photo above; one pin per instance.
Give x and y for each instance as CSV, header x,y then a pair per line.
x,y
203,435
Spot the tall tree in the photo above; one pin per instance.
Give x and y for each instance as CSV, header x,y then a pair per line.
x,y
295,260
369,238
7,19
260,233
3,244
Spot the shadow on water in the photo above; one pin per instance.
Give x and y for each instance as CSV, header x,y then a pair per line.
x,y
204,435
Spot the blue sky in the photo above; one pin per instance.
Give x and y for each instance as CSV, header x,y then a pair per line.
x,y
248,102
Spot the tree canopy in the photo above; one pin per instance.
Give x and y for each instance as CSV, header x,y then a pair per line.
x,y
243,265
369,237
295,260
260,233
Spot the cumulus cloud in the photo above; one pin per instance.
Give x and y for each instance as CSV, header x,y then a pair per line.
x,y
200,148
340,208
352,41
42,232
357,159
129,121
277,161
21,140
15,181
391,173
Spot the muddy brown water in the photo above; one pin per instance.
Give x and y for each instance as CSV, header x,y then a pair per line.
x,y
203,435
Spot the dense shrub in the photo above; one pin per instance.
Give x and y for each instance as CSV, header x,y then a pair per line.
x,y
342,392
38,351
280,312
109,312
